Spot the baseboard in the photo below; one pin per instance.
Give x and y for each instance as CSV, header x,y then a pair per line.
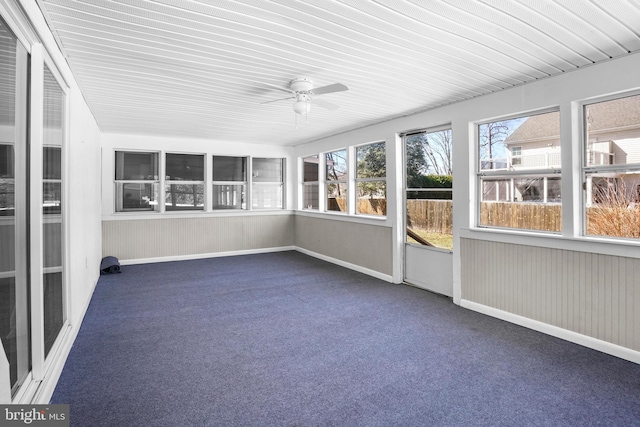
x,y
359,268
377,274
574,337
204,255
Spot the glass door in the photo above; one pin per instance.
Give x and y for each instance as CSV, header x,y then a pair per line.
x,y
14,295
429,210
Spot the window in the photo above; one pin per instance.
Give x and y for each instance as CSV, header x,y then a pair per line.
x,y
184,182
371,183
53,243
229,182
311,187
612,167
336,181
52,180
137,181
429,188
7,180
516,153
267,190
519,173
16,325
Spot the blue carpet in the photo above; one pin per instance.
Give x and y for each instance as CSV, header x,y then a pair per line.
x,y
283,339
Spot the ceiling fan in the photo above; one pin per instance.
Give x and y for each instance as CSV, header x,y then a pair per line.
x,y
303,92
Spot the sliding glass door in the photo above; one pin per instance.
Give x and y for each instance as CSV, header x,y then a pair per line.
x,y
33,293
14,293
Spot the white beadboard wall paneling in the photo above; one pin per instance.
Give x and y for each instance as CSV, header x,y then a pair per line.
x,y
202,69
595,295
167,238
366,245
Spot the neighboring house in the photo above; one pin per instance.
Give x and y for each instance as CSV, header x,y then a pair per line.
x,y
613,130
535,144
532,159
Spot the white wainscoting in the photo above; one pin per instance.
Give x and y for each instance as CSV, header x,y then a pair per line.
x,y
594,295
354,243
181,238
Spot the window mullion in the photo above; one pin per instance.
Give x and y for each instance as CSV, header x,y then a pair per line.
x,y
571,160
322,182
352,196
208,183
250,184
163,173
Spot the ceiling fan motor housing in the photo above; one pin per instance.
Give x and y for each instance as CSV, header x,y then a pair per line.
x,y
301,85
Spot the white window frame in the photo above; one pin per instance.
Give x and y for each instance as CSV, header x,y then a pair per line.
x,y
155,182
515,157
253,182
244,183
588,171
511,175
346,181
167,181
304,183
359,180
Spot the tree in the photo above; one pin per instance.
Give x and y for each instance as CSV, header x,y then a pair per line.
x,y
372,163
428,154
336,169
416,161
491,136
438,148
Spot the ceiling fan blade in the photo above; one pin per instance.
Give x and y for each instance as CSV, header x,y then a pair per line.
x,y
276,100
325,104
336,87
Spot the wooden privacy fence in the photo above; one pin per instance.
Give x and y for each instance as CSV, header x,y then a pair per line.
x,y
531,216
436,216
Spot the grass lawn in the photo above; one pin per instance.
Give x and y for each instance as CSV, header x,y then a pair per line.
x,y
439,240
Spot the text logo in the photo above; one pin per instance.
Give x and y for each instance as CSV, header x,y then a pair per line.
x,y
34,415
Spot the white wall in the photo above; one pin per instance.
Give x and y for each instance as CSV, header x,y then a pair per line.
x,y
184,234
83,230
85,233
565,92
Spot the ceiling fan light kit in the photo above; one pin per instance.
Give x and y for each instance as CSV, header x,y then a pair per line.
x,y
302,106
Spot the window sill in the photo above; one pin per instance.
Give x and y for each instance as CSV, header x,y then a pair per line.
x,y
589,244
117,216
342,216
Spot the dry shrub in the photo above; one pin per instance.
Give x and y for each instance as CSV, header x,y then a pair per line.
x,y
367,206
615,211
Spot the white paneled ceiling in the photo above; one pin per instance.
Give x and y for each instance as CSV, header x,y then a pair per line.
x,y
204,68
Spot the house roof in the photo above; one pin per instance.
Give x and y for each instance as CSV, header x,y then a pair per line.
x,y
615,114
535,128
620,113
